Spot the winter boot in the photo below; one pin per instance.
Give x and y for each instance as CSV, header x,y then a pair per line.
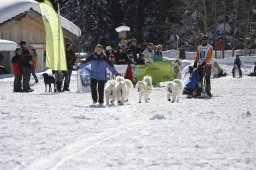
x,y
66,87
197,92
208,90
59,84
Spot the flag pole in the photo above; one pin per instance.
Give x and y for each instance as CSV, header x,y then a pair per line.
x,y
59,26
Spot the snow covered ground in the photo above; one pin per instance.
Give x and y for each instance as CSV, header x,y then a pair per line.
x,y
48,131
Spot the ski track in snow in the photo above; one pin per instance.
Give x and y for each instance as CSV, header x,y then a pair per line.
x,y
48,131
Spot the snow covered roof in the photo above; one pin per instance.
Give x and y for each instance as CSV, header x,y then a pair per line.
x,y
12,8
6,45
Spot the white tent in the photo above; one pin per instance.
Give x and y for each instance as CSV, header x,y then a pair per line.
x,y
13,8
6,45
122,28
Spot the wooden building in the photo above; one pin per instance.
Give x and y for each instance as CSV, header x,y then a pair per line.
x,y
21,21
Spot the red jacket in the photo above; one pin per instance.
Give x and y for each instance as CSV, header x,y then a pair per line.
x,y
16,64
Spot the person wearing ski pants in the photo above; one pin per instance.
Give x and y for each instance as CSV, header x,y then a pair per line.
x,y
203,63
99,65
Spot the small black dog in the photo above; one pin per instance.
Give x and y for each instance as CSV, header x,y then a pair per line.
x,y
48,80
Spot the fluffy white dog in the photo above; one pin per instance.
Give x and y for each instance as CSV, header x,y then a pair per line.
x,y
123,87
174,89
145,88
110,91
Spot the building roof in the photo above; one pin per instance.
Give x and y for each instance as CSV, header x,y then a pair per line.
x,y
6,45
12,8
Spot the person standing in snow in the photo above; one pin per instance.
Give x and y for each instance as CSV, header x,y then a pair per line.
x,y
177,73
237,63
110,54
71,59
99,64
16,64
34,61
134,46
158,55
26,64
203,63
149,52
121,56
130,57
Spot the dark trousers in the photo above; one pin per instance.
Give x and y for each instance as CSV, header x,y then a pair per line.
x,y
222,74
17,84
204,72
97,88
26,78
240,71
67,75
33,71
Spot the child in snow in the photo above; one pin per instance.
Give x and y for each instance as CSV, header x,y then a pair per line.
x,y
99,64
237,64
217,71
177,73
16,64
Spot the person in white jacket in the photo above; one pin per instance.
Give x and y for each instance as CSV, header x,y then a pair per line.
x,y
149,53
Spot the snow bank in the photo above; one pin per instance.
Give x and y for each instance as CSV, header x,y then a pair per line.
x,y
63,131
192,55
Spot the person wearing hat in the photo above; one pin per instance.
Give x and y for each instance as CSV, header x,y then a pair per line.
x,y
71,59
203,63
99,65
110,54
108,51
158,55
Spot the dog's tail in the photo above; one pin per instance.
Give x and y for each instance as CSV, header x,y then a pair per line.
x,y
128,83
179,83
119,79
148,79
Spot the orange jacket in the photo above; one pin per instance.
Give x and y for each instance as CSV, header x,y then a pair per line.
x,y
204,54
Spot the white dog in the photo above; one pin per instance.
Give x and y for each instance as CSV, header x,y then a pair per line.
x,y
110,91
174,89
145,88
123,87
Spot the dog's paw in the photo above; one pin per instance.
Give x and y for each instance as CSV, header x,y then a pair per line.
x,y
139,101
173,101
169,100
119,102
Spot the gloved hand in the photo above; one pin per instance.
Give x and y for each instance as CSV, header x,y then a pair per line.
x,y
195,65
203,64
118,74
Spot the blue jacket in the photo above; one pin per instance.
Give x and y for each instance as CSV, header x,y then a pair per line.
x,y
192,82
99,65
237,62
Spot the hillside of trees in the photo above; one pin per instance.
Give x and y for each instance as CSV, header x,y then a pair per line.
x,y
159,21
